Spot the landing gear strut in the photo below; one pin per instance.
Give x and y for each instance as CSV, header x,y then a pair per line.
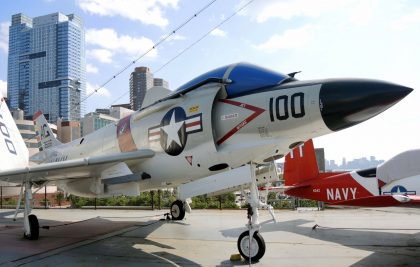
x,y
177,210
30,221
253,249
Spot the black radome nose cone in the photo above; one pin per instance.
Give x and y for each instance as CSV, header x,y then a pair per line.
x,y
347,102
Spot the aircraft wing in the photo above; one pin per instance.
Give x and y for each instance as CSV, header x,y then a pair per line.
x,y
381,201
76,168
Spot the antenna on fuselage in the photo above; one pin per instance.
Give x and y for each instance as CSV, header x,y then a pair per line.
x,y
292,74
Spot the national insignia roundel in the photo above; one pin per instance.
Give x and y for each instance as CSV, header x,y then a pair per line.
x,y
174,129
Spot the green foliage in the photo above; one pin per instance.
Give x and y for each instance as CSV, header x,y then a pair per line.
x,y
59,197
42,202
166,199
227,201
308,203
9,201
282,204
144,199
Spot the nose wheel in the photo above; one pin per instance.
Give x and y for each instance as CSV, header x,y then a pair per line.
x,y
177,210
251,249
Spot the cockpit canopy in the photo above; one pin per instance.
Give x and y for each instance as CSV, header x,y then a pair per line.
x,y
244,78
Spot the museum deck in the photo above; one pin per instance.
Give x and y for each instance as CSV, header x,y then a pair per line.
x,y
345,237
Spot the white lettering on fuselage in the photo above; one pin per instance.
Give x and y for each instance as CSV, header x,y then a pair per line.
x,y
5,132
57,159
341,193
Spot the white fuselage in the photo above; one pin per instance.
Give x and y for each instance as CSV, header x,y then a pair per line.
x,y
199,134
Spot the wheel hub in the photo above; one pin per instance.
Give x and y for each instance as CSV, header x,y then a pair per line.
x,y
245,247
175,211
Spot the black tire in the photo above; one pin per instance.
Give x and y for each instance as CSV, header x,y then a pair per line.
x,y
34,226
177,210
257,245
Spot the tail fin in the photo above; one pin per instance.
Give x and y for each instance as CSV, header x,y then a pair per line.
x,y
13,151
300,164
44,134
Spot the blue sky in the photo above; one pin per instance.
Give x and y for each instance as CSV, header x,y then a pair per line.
x,y
323,39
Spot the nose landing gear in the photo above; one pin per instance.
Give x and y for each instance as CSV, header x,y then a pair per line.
x,y
253,249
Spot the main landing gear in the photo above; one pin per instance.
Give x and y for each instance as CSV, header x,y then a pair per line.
x,y
30,221
253,249
177,210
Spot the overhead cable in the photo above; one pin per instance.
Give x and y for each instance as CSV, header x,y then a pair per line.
x,y
163,39
193,44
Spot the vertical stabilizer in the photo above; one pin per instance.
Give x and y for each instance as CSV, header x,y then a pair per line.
x,y
44,134
300,164
13,151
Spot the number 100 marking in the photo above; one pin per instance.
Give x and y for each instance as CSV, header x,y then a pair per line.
x,y
280,106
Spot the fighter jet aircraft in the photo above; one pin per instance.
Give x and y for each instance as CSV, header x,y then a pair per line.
x,y
393,183
206,136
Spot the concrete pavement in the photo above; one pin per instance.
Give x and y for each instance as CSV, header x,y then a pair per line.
x,y
345,237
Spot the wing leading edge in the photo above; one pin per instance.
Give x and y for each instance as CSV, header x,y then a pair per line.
x,y
76,168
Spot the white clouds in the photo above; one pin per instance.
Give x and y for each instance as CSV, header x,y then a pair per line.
x,y
102,55
267,9
91,69
4,36
218,32
90,88
407,20
178,37
111,43
3,88
355,11
148,12
292,38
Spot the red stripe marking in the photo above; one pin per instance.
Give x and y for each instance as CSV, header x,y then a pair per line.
x,y
153,134
257,112
36,115
193,124
381,183
124,136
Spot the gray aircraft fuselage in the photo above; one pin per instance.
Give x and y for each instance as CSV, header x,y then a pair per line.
x,y
207,129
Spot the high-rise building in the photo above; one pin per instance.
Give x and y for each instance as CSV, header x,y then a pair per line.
x,y
140,81
160,82
94,121
46,65
102,117
320,158
68,131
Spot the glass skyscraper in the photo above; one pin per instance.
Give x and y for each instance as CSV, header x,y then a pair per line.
x,y
46,65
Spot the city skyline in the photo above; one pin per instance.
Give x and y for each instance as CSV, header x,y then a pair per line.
x,y
367,39
353,164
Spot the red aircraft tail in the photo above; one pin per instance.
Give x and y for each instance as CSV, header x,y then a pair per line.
x,y
300,164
